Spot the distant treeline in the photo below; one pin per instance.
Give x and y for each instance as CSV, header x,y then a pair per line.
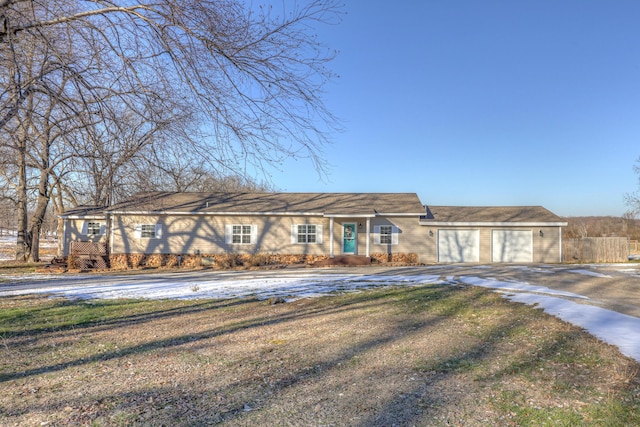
x,y
602,226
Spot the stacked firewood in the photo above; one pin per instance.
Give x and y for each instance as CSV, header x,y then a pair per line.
x,y
129,261
397,258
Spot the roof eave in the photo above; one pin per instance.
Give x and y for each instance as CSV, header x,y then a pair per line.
x,y
493,224
220,213
91,216
216,213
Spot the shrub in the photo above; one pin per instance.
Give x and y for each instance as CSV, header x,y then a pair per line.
x,y
72,261
257,260
229,261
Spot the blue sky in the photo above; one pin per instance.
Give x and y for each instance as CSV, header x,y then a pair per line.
x,y
484,103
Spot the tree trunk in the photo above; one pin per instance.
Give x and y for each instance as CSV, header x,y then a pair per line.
x,y
42,202
23,242
58,205
38,218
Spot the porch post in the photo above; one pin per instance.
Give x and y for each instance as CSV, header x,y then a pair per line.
x,y
368,237
331,237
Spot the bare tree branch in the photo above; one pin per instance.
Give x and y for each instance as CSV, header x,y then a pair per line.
x,y
93,90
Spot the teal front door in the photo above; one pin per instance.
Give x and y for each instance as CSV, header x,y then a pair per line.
x,y
349,239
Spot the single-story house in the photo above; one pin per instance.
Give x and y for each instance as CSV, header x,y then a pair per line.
x,y
385,226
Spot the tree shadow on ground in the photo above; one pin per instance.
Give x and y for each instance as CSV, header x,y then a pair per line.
x,y
294,379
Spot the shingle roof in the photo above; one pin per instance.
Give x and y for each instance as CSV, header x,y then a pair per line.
x,y
489,214
273,203
84,211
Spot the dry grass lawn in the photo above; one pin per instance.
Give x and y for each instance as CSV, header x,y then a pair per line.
x,y
427,356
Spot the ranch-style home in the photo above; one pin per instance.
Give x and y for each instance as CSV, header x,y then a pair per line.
x,y
315,226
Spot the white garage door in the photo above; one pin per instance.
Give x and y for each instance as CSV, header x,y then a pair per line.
x,y
511,246
458,245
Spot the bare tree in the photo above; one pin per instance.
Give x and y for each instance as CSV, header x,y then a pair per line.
x,y
633,199
255,74
75,75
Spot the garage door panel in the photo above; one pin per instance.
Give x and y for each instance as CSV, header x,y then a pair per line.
x,y
512,246
458,246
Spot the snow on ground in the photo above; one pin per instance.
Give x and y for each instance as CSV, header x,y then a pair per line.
x,y
7,242
515,286
590,273
289,286
614,328
8,246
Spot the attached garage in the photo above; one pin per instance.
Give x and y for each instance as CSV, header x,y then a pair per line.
x,y
458,246
476,234
511,246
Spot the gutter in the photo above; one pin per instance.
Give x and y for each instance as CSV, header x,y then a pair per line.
x,y
493,224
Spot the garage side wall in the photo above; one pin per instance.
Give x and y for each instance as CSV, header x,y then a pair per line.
x,y
547,248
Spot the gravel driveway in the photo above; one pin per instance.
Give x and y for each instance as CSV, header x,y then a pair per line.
x,y
611,286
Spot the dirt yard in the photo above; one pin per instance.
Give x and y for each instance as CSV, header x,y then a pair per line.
x,y
435,355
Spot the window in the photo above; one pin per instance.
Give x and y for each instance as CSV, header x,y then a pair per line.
x,y
306,233
241,234
148,231
93,228
386,234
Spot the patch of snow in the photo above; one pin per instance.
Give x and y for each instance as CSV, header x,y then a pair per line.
x,y
540,269
630,271
49,244
590,273
515,286
612,327
292,287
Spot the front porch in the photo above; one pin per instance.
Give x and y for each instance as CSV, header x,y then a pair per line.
x,y
349,228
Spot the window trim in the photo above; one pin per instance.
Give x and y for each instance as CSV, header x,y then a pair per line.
x,y
386,234
101,230
139,233
377,235
229,234
295,233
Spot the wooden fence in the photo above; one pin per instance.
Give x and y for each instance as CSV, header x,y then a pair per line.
x,y
595,249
